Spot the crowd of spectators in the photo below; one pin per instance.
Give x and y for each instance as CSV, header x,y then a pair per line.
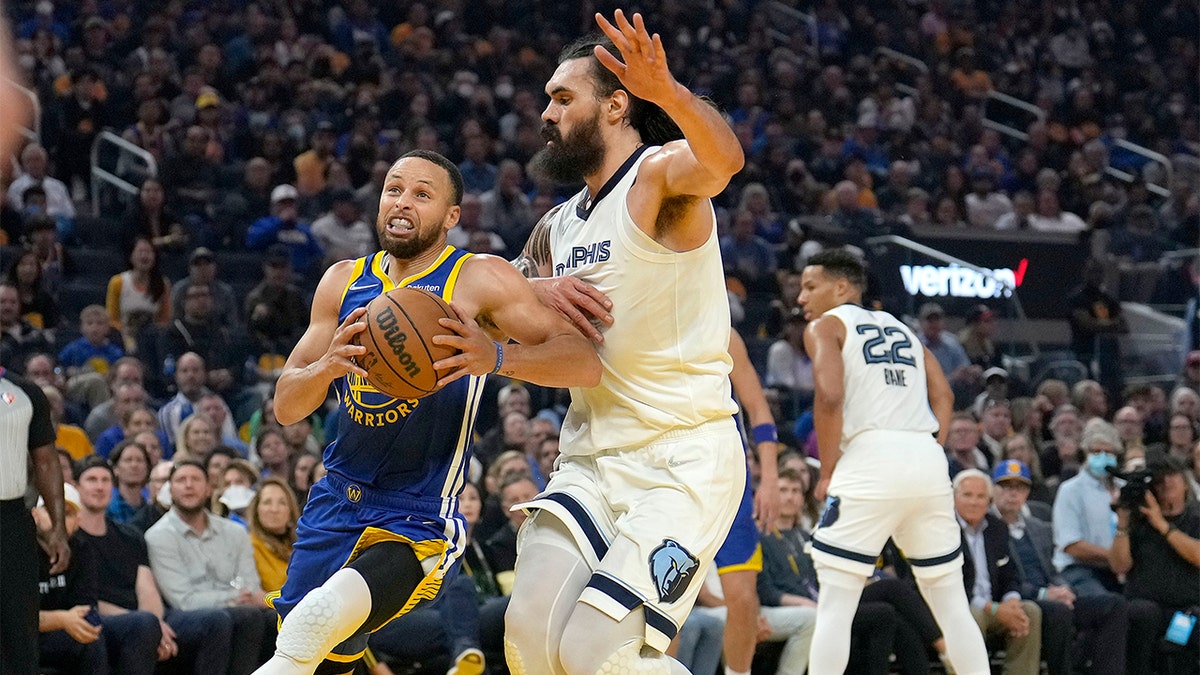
x,y
273,123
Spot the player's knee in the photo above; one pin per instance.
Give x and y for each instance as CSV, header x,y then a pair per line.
x,y
521,630
307,627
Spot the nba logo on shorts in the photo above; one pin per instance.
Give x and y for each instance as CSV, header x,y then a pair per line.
x,y
830,515
671,568
353,493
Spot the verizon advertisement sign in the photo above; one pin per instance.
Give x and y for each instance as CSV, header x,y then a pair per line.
x,y
952,281
1043,272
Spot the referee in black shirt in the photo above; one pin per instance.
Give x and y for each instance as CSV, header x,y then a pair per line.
x,y
26,433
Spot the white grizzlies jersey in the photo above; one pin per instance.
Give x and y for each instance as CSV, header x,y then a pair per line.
x,y
885,386
666,356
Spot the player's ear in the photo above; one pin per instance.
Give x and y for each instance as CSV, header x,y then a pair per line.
x,y
452,217
618,105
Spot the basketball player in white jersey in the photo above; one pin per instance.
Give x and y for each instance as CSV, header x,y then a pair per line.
x,y
652,470
882,410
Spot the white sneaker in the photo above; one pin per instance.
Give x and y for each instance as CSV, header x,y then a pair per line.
x,y
468,662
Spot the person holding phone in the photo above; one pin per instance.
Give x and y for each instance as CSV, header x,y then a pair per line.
x,y
72,638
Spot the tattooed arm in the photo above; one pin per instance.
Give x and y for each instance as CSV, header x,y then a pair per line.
x,y
574,298
534,260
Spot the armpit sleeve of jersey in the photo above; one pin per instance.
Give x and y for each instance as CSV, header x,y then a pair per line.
x,y
41,428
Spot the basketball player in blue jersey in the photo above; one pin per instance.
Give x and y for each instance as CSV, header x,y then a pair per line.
x,y
882,411
652,470
381,530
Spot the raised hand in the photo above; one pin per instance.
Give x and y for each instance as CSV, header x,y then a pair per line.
x,y
642,67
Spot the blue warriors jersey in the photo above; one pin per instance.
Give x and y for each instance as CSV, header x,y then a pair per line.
x,y
418,447
394,470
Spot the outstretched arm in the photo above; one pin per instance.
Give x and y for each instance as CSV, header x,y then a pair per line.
x,y
711,154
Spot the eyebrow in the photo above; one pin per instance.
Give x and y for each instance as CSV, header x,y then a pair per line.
x,y
418,181
559,90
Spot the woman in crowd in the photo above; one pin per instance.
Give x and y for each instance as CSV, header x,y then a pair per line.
x,y
138,296
272,515
38,306
150,219
195,439
131,470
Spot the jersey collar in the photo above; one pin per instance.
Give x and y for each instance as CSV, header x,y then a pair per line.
x,y
584,208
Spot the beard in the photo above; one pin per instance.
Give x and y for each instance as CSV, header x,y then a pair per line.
x,y
407,249
572,157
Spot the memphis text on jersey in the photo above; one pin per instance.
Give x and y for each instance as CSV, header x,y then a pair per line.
x,y
597,252
367,406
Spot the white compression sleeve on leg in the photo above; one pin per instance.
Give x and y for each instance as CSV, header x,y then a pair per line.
x,y
323,619
837,603
551,573
947,599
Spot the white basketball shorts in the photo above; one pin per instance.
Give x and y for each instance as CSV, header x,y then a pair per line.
x,y
889,484
649,520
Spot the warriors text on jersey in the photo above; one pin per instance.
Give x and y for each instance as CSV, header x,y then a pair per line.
x,y
666,361
884,378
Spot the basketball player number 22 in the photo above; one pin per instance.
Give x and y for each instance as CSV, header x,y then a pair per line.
x,y
877,350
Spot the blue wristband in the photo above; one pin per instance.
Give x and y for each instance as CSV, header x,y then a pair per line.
x,y
499,357
765,433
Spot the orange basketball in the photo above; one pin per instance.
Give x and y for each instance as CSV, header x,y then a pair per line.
x,y
399,340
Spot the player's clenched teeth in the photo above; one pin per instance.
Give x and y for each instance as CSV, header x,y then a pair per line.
x,y
403,224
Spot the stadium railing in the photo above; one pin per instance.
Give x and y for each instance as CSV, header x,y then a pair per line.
x,y
127,160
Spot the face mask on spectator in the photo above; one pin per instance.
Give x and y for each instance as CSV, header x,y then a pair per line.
x,y
164,495
1099,462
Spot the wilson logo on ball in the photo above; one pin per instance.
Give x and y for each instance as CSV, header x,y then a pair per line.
x,y
395,338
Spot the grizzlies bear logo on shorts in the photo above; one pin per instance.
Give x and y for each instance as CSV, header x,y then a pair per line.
x,y
830,515
671,568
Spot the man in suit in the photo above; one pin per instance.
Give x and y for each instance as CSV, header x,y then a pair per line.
x,y
1102,619
991,577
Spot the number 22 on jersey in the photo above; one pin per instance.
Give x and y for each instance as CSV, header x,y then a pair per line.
x,y
888,345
